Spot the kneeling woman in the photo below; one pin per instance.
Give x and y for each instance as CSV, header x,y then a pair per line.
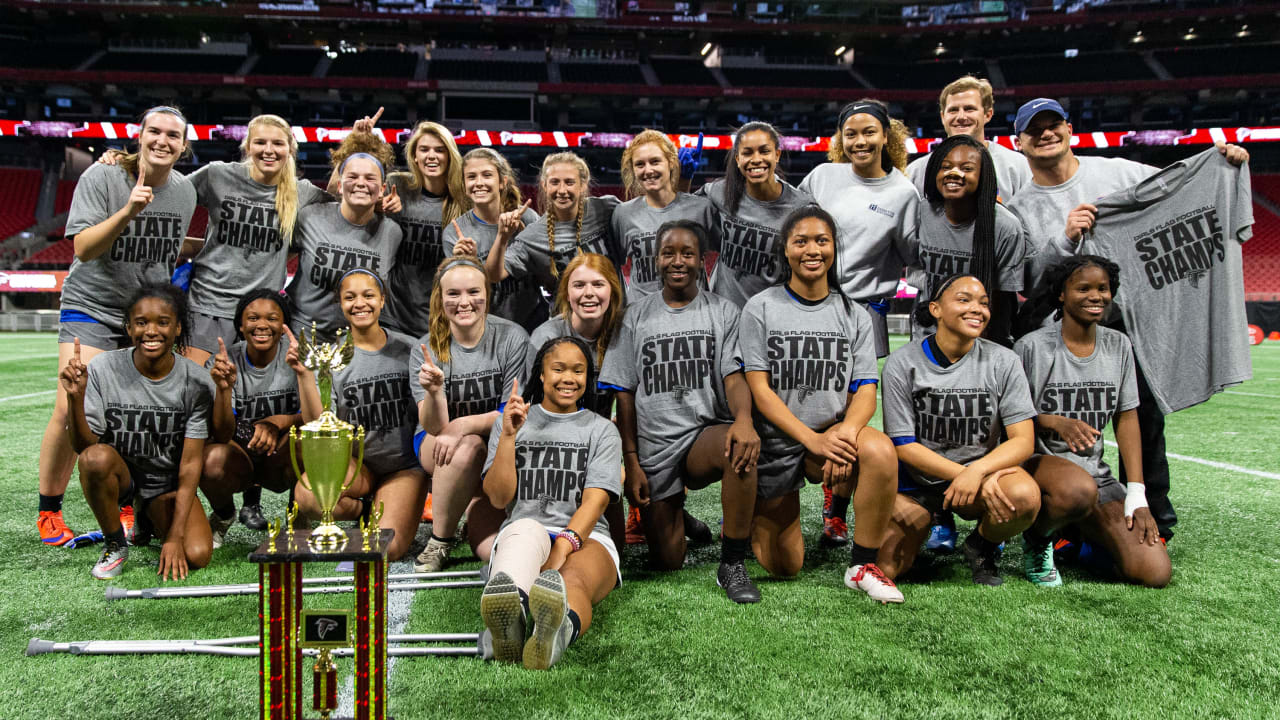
x,y
810,358
1076,358
554,465
946,399
256,405
372,391
139,418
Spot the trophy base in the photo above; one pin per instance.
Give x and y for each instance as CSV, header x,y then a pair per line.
x,y
327,538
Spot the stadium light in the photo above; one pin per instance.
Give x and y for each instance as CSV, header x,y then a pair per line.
x,y
706,49
1191,34
840,50
941,49
1137,38
1243,32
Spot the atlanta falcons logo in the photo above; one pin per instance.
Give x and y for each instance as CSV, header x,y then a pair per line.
x,y
805,392
1195,275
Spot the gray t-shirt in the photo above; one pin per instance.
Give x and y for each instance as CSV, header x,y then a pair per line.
x,y
946,249
1091,389
958,411
815,356
749,259
675,360
559,326
557,457
478,379
877,226
1044,209
145,420
261,392
635,225
1177,238
420,253
328,247
373,392
515,298
144,253
1012,170
243,249
529,254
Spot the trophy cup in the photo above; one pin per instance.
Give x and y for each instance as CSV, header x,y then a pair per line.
x,y
325,443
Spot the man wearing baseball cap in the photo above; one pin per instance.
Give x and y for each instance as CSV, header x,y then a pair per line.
x,y
1056,208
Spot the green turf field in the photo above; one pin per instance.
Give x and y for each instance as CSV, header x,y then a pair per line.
x,y
672,646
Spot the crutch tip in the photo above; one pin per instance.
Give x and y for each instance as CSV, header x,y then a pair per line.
x,y
38,647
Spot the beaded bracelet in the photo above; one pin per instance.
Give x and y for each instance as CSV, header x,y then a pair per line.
x,y
574,538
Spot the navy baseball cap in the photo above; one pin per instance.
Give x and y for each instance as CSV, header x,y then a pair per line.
x,y
1031,109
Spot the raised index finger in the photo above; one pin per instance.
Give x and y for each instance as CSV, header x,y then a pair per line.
x,y
374,121
75,352
222,347
426,356
515,389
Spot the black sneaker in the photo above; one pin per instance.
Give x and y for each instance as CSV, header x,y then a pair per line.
x,y
696,530
985,565
251,517
736,583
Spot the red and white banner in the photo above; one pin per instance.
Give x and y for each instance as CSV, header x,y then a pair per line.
x,y
32,280
618,140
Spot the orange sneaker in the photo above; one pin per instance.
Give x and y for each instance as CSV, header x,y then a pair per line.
x,y
126,520
53,529
635,528
426,510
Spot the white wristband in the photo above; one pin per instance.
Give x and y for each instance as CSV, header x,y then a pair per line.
x,y
1135,497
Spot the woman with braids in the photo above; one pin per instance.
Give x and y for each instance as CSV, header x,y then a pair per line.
x,y
650,173
497,215
255,407
963,229
1083,376
874,204
466,365
127,223
334,238
574,223
554,465
139,418
373,392
750,204
431,197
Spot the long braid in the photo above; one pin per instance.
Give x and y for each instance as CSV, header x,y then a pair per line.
x,y
551,244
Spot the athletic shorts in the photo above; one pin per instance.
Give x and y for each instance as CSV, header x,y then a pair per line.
x,y
879,324
928,496
779,475
203,331
93,334
1110,490
601,537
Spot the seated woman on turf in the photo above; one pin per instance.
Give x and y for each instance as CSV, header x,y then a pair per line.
x,y
945,400
466,366
255,403
588,306
810,361
684,409
372,391
139,418
1082,376
554,465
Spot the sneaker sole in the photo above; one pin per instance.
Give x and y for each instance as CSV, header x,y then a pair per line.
x,y
502,613
61,540
548,606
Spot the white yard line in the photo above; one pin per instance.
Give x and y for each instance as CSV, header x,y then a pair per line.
x,y
1217,465
28,395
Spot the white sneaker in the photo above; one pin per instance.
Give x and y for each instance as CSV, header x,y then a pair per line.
x,y
871,581
552,628
219,527
432,557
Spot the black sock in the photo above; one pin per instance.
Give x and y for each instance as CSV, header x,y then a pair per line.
x,y
976,541
253,495
524,601
446,541
577,626
839,507
1034,538
115,538
50,503
733,550
859,555
226,511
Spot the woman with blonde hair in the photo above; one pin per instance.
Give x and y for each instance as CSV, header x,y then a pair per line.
x,y
650,172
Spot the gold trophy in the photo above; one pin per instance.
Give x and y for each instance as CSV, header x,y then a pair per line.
x,y
325,443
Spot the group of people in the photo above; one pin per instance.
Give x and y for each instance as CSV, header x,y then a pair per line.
x,y
501,367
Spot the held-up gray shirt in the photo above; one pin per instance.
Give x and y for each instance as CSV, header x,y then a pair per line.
x,y
750,257
145,252
1012,170
1089,389
1044,208
815,356
635,225
557,457
420,253
147,421
529,253
675,361
243,249
515,298
261,392
958,411
946,249
328,247
373,392
1177,237
478,379
877,226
